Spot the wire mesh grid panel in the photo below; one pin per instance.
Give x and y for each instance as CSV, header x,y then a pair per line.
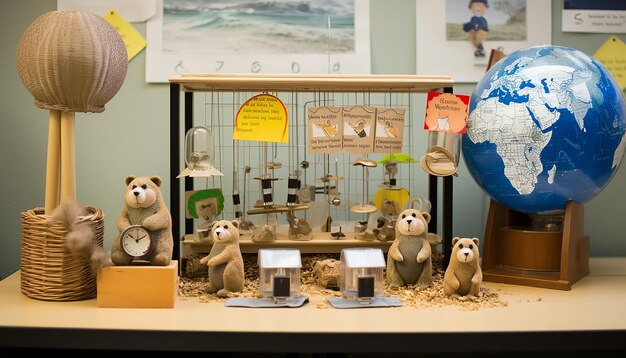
x,y
331,184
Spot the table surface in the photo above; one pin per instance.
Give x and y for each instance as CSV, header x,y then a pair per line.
x,y
591,315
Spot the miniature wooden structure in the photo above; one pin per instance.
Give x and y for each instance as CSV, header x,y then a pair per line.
x,y
138,286
515,254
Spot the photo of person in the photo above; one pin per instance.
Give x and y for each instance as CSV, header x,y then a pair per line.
x,y
478,26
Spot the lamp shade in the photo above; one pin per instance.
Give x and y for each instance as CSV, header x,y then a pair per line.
x,y
72,61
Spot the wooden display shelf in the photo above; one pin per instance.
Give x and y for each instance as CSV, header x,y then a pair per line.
x,y
198,82
322,242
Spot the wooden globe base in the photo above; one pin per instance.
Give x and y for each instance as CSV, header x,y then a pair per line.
x,y
513,253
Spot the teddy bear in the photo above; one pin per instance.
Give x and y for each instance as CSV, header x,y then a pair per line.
x,y
463,274
226,270
144,205
409,260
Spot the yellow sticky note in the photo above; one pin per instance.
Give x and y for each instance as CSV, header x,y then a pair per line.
x,y
132,38
612,54
262,118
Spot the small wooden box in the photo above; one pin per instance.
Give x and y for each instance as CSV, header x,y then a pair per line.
x,y
138,286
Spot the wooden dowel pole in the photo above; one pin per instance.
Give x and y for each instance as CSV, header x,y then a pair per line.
x,y
53,162
68,165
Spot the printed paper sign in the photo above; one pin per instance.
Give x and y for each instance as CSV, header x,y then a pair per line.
x,y
446,112
389,130
325,127
358,129
262,118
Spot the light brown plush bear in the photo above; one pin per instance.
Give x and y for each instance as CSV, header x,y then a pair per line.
x,y
226,271
409,258
463,274
144,205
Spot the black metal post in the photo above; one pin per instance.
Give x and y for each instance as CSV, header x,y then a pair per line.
x,y
432,197
188,180
175,166
447,221
446,239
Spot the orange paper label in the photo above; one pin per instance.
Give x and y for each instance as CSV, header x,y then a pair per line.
x,y
446,112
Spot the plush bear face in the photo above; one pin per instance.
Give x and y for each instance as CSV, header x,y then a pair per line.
x,y
412,222
224,231
464,249
142,192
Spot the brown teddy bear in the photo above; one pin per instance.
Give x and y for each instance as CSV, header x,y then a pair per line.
x,y
409,258
463,274
144,205
226,270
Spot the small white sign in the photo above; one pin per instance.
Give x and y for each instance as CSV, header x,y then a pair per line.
x,y
603,21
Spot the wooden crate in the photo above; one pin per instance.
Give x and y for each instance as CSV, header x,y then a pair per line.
x,y
138,286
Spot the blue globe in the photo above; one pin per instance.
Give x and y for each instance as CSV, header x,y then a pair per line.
x,y
546,125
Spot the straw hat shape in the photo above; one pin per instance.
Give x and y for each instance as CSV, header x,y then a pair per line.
x,y
72,61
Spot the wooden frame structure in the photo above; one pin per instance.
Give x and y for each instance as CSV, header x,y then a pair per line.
x,y
191,83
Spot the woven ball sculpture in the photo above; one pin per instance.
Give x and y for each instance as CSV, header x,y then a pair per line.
x,y
70,61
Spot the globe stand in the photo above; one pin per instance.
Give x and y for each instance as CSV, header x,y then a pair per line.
x,y
538,251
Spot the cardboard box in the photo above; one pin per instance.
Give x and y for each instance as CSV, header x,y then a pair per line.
x,y
138,286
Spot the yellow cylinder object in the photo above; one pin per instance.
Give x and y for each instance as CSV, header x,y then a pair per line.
x,y
391,201
72,61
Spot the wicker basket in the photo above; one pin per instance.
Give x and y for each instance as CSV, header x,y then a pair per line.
x,y
49,271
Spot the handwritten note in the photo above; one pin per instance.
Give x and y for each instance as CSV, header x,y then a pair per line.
x,y
262,118
132,38
612,54
446,112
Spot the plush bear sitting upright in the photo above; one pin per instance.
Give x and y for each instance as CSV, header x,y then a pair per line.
x,y
144,205
409,258
463,274
226,271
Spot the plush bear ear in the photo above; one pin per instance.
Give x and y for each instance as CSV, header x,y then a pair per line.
x,y
475,240
426,216
130,178
156,180
235,223
455,240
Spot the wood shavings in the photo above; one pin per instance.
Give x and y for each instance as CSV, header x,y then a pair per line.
x,y
411,296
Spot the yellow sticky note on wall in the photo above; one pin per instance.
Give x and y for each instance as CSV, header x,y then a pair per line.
x,y
132,38
612,54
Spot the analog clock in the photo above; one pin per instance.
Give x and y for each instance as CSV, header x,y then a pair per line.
x,y
136,241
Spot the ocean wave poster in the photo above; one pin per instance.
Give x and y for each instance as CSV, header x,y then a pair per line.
x,y
246,36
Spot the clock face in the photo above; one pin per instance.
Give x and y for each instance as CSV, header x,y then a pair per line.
x,y
136,241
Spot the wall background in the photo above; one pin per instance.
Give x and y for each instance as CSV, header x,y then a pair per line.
x,y
132,135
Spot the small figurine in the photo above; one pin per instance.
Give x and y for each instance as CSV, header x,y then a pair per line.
x,y
299,228
409,258
145,211
477,27
463,274
226,270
